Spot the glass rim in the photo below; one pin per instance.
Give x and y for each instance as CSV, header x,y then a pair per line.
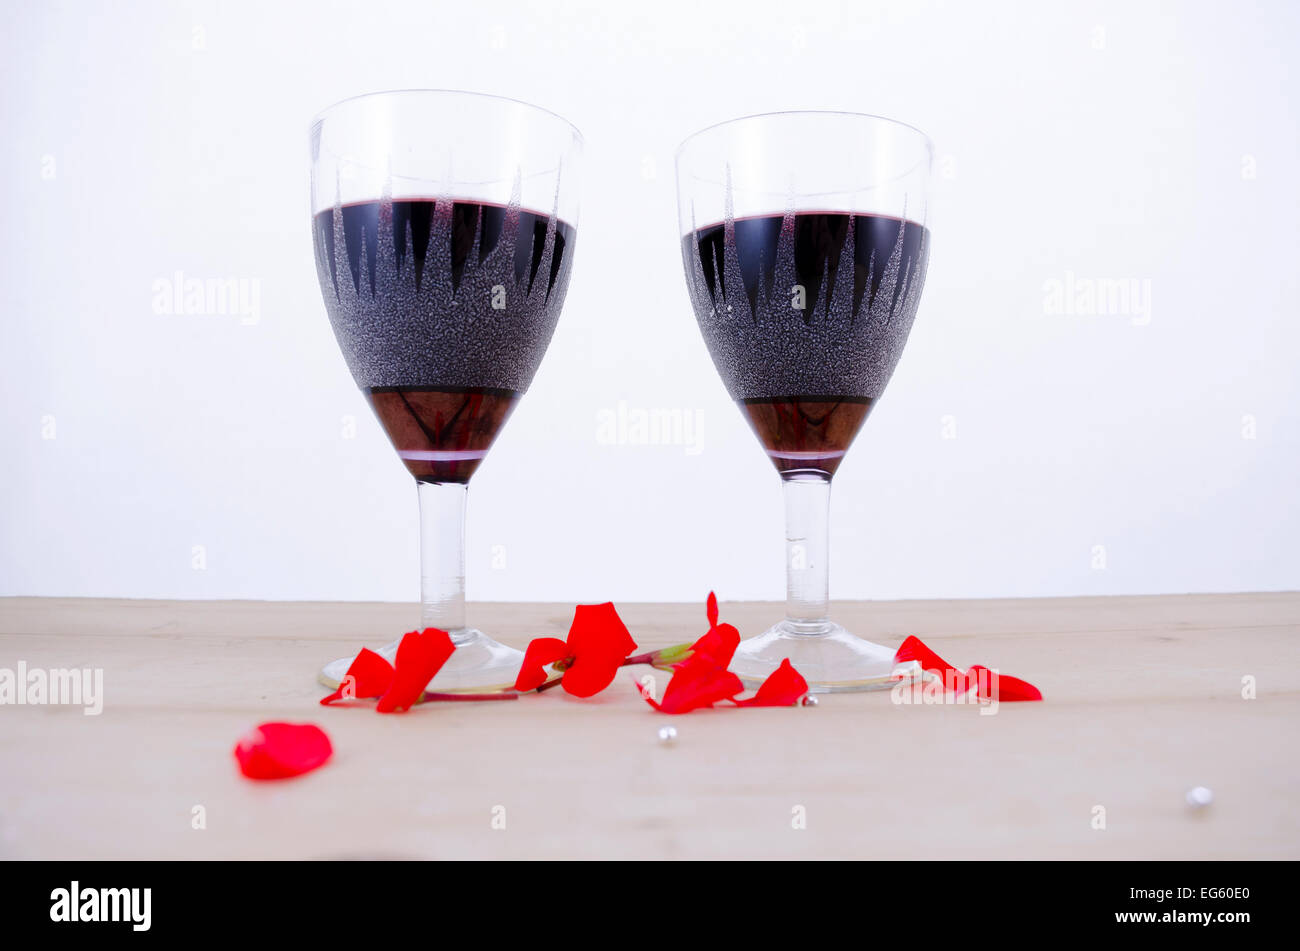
x,y
925,139
319,116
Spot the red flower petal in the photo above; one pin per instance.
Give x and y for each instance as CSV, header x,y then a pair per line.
x,y
419,657
914,649
783,687
599,631
281,750
718,645
370,674
992,685
986,682
697,683
541,651
590,674
954,678
711,608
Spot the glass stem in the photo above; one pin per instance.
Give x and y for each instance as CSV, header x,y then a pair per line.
x,y
442,556
807,551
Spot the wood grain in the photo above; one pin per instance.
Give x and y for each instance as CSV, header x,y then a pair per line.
x,y
1143,701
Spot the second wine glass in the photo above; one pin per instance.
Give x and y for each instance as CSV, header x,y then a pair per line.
x,y
805,247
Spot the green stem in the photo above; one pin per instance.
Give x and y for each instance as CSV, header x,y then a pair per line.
x,y
663,659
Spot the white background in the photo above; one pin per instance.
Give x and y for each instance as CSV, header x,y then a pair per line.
x,y
1152,141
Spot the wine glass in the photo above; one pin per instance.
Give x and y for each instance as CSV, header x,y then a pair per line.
x,y
444,225
805,249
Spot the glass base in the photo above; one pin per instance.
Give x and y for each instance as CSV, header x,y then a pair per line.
x,y
830,658
478,665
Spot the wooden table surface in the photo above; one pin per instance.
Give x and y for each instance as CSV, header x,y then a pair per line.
x,y
1143,700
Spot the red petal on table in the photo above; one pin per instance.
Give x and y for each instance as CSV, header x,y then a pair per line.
x,y
645,694
281,750
992,685
589,674
954,678
370,674
541,651
419,657
598,630
699,682
986,682
718,645
783,687
711,607
913,649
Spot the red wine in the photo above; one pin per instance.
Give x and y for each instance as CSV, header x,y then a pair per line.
x,y
443,310
805,315
801,434
441,435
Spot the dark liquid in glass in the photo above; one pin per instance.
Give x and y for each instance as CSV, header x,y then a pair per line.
x,y
443,310
805,315
800,433
441,435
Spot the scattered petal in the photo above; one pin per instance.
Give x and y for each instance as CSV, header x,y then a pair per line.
x,y
541,651
954,678
589,674
914,649
419,657
598,630
986,683
281,750
711,608
597,645
784,687
718,645
371,676
991,685
697,683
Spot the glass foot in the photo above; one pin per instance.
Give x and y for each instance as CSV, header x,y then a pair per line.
x,y
831,660
478,665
